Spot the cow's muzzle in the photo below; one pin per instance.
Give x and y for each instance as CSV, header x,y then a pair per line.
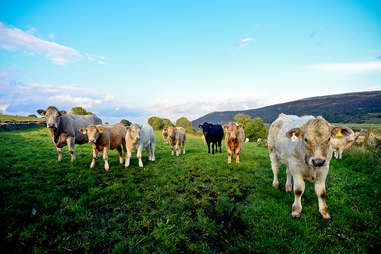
x,y
318,162
93,140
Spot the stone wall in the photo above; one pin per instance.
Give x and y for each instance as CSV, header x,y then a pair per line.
x,y
12,125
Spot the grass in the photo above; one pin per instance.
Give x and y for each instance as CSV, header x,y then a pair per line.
x,y
20,118
195,203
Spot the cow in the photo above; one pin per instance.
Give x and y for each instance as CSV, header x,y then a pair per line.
x,y
164,134
137,138
106,138
340,143
213,133
234,138
303,144
177,137
64,128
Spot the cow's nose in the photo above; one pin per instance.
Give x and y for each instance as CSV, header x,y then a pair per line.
x,y
137,139
50,125
318,162
92,140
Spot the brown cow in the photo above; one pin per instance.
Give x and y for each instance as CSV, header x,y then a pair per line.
x,y
234,138
177,137
105,138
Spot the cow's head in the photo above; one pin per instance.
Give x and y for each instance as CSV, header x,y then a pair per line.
x,y
172,133
205,127
232,130
164,132
52,116
93,132
133,132
315,136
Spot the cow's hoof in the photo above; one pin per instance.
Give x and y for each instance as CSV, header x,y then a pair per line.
x,y
324,213
276,185
295,215
288,188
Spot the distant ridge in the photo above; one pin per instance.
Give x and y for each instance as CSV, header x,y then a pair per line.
x,y
361,107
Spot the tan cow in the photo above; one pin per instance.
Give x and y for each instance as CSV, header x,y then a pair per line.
x,y
340,143
303,144
164,133
64,128
177,137
106,138
234,138
140,137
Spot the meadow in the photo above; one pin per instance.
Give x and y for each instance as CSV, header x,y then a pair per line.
x,y
196,203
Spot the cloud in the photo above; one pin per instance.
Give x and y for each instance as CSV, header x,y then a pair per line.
x,y
247,40
97,59
349,67
23,99
51,36
16,39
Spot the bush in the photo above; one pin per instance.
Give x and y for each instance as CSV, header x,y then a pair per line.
x,y
125,122
254,128
186,124
80,111
158,123
32,115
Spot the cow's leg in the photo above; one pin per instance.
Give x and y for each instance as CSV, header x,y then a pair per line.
x,y
219,144
335,153
178,148
229,155
298,191
320,192
184,147
208,147
139,155
119,148
128,156
340,153
59,151
105,158
213,148
288,181
152,145
95,156
70,145
148,149
237,151
171,149
274,166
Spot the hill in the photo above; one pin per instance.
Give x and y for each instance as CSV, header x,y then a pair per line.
x,y
362,107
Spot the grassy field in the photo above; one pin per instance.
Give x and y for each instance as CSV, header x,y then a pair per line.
x,y
195,203
20,118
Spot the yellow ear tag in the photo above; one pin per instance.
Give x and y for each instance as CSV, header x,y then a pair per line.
x,y
339,134
293,137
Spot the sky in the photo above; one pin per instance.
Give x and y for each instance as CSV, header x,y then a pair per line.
x,y
135,59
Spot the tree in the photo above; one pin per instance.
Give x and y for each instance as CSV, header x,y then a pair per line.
x,y
125,122
241,118
32,115
167,123
156,122
254,129
80,111
186,124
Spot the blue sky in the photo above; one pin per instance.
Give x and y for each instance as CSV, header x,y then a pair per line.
x,y
135,59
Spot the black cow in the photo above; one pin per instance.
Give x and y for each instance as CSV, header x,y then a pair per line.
x,y
213,134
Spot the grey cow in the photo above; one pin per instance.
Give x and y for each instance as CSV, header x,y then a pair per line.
x,y
64,128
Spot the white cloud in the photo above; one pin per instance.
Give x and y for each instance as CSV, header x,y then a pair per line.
x,y
247,40
100,62
51,36
97,59
349,67
15,39
3,108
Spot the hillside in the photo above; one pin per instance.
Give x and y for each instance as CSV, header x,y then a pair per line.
x,y
362,107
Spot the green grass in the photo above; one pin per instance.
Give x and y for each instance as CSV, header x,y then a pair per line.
x,y
195,203
20,118
360,125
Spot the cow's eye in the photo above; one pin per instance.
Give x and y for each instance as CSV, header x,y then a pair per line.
x,y
305,140
329,139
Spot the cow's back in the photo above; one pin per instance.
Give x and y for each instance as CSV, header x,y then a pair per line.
x,y
72,124
117,134
277,138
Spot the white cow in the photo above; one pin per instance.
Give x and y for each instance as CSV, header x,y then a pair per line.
x,y
340,143
139,137
303,144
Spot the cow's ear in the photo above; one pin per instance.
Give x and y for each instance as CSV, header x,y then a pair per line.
x,y
100,129
83,130
200,126
225,127
239,126
41,112
294,134
341,131
63,112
